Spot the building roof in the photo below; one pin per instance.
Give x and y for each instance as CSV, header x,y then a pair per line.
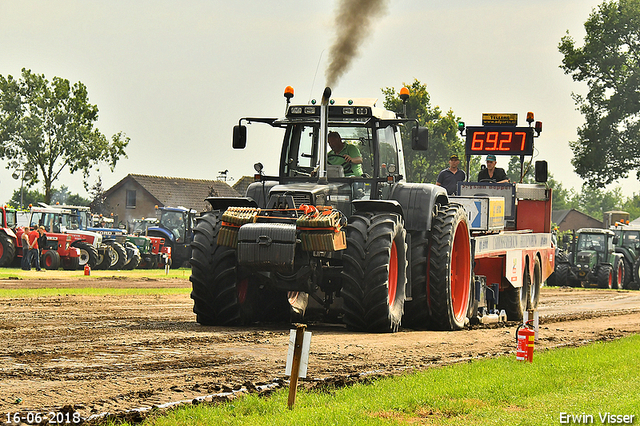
x,y
174,191
242,184
557,216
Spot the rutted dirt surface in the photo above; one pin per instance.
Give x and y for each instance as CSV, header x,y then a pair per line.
x,y
102,354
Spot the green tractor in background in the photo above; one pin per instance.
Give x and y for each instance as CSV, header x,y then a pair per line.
x,y
628,245
592,259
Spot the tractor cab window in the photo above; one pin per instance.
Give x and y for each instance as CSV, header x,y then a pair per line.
x,y
11,219
74,223
631,238
388,150
301,150
595,242
361,138
174,222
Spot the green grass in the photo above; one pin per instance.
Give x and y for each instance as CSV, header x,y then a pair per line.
x,y
158,274
598,378
87,291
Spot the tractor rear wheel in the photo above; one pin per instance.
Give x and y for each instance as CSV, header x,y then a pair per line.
x,y
133,256
88,254
562,274
7,249
220,296
104,260
634,284
604,276
416,310
118,255
628,272
50,260
449,269
374,272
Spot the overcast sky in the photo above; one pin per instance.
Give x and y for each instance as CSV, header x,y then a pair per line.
x,y
176,76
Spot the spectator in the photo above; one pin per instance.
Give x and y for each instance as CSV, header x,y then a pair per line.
x,y
449,178
34,253
42,240
24,242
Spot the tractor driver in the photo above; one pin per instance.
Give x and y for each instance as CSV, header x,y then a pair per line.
x,y
344,154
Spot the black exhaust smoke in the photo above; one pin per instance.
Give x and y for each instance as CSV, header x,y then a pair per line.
x,y
353,25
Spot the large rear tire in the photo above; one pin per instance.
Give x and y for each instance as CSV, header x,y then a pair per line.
x,y
70,263
220,296
133,256
416,310
514,300
374,272
634,284
118,255
618,274
449,269
628,273
7,250
562,275
88,254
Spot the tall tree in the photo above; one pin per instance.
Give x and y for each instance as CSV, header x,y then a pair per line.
x,y
48,127
443,133
608,144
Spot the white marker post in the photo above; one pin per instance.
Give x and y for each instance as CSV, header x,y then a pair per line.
x,y
297,360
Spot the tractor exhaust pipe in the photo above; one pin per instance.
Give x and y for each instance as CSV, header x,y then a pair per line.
x,y
324,131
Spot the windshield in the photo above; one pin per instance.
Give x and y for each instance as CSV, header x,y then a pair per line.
x,y
174,222
301,151
592,242
11,219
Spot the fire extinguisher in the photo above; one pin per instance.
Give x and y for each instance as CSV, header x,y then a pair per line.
x,y
87,269
525,337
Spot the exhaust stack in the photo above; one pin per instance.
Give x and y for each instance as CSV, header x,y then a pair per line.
x,y
324,131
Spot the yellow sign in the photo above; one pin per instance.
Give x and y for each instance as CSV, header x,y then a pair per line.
x,y
491,119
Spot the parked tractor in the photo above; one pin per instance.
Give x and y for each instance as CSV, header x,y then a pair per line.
x,y
176,225
341,233
628,245
592,260
8,239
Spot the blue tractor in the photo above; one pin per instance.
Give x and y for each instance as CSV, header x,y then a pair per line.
x,y
176,227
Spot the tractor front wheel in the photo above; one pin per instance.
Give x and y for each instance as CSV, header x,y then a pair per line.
x,y
50,260
634,284
618,274
604,276
374,272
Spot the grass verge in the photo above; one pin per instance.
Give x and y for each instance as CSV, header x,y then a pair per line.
x,y
591,380
157,274
88,291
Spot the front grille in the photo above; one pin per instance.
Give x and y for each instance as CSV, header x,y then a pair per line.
x,y
299,198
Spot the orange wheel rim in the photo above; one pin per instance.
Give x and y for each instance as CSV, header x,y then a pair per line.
x,y
460,271
393,273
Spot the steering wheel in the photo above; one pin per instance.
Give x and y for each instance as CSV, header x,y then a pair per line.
x,y
488,180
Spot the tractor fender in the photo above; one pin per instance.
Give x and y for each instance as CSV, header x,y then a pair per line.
x,y
418,201
223,203
157,232
259,192
391,206
9,232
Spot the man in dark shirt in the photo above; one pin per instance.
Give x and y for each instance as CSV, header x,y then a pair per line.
x,y
492,173
449,178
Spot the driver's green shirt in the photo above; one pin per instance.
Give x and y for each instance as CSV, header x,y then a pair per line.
x,y
350,169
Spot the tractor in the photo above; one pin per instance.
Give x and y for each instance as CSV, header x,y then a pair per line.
x,y
8,239
592,260
176,226
628,245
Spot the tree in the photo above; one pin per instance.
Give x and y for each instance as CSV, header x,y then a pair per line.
x,y
49,126
443,133
608,144
99,204
62,196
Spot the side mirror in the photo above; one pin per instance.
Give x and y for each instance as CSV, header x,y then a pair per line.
x,y
239,137
419,138
541,171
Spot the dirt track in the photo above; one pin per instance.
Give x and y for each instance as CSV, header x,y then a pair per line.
x,y
116,353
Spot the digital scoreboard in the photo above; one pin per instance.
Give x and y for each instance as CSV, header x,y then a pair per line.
x,y
499,140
